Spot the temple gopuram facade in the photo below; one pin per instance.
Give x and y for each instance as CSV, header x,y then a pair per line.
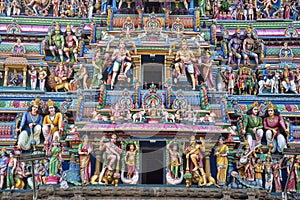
x,y
151,99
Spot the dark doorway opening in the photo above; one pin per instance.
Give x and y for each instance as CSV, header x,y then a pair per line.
x,y
153,166
152,70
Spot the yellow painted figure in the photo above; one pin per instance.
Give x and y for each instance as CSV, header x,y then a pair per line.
x,y
222,161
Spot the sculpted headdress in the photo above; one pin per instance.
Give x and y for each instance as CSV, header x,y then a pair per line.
x,y
68,28
36,102
255,104
50,103
270,105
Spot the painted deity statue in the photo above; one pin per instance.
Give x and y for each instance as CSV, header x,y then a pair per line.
x,y
55,164
3,167
30,127
268,173
221,153
72,45
272,122
61,73
57,43
194,159
277,174
234,47
207,70
253,126
84,150
110,171
121,61
83,76
230,78
259,169
11,169
248,47
42,78
175,159
293,175
18,48
184,61
53,123
33,77
130,159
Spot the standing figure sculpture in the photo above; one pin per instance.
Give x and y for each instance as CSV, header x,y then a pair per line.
x,y
272,124
3,166
130,159
53,123
207,71
33,77
30,127
110,171
42,78
55,161
194,158
248,48
84,150
175,159
72,45
11,169
253,126
121,59
184,61
57,43
234,48
221,152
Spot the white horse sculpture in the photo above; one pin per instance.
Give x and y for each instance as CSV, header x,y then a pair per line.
x,y
139,117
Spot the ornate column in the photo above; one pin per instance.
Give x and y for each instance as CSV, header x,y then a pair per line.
x,y
24,75
168,68
191,9
137,69
5,76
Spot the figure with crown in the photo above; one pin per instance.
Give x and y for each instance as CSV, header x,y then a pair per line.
x,y
84,151
194,162
234,48
72,45
221,153
121,61
248,47
253,126
57,42
30,127
110,171
55,162
53,123
273,122
184,62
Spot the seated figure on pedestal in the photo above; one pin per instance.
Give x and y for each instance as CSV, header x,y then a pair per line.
x,y
234,48
56,42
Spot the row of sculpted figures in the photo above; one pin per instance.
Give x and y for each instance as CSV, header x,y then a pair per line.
x,y
221,10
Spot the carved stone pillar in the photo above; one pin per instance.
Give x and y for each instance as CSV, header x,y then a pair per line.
x,y
137,69
168,66
5,76
24,76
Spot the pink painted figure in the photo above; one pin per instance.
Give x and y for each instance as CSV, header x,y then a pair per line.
x,y
277,175
293,175
60,73
33,77
230,80
84,151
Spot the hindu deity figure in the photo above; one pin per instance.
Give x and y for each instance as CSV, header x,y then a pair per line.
x,y
42,78
36,5
110,170
72,175
297,166
248,47
53,123
83,76
194,159
18,49
2,6
3,166
20,174
56,7
30,127
130,159
61,73
175,159
207,70
293,175
72,45
33,77
230,80
221,153
253,126
268,5
288,80
16,5
259,169
104,4
184,62
234,48
268,173
121,59
10,173
277,174
57,42
98,64
272,122
55,164
84,150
